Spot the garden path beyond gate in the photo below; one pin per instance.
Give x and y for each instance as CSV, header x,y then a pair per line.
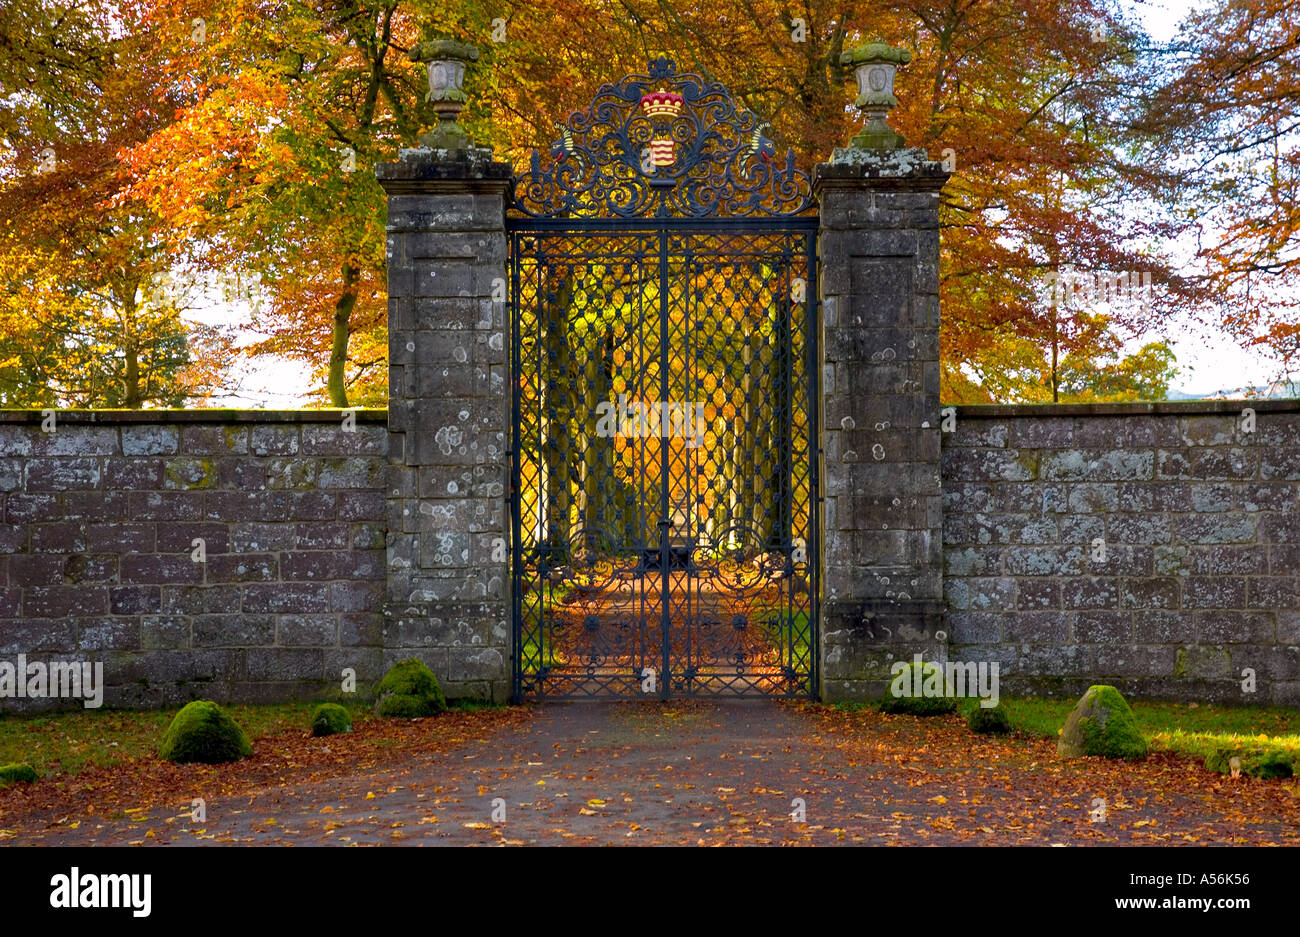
x,y
664,371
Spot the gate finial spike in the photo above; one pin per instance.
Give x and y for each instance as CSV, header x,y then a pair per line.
x,y
661,66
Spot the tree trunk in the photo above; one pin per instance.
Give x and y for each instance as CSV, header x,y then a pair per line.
x,y
131,396
604,502
1056,380
557,416
131,379
347,301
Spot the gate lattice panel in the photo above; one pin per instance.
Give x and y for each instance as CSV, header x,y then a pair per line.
x,y
665,487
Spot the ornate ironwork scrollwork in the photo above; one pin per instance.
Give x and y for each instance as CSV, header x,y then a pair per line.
x,y
663,145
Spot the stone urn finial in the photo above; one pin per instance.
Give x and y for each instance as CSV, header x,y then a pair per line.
x,y
446,59
875,65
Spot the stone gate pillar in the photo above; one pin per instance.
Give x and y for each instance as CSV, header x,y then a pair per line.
x,y
879,251
449,400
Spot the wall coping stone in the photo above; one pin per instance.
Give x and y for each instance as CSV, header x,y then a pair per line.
x,y
198,415
1179,407
883,171
425,172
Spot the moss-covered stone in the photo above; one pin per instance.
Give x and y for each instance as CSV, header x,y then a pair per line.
x,y
330,719
875,52
990,721
1101,725
185,474
20,773
203,732
917,690
1256,762
409,691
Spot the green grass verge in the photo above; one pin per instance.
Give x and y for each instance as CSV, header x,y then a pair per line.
x,y
1193,732
1178,727
1043,717
472,705
68,742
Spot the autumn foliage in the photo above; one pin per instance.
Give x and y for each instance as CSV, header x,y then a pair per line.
x,y
239,137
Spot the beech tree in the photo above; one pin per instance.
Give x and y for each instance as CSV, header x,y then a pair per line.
x,y
1031,103
1231,109
276,111
269,164
82,321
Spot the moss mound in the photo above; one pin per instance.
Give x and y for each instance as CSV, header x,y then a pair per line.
x,y
991,721
912,691
202,732
409,691
21,773
1101,725
330,719
1260,762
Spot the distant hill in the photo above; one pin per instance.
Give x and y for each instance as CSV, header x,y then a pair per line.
x,y
1274,391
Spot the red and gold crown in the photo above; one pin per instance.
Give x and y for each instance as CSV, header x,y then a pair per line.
x,y
662,103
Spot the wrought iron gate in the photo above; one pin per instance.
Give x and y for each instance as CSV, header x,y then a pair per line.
x,y
664,496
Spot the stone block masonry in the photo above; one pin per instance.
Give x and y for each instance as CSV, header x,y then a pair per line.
x,y
230,555
879,280
1152,546
448,589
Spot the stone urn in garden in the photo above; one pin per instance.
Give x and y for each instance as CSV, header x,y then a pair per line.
x,y
875,65
446,60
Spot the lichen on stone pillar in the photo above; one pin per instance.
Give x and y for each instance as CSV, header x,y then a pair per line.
x,y
446,60
875,65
